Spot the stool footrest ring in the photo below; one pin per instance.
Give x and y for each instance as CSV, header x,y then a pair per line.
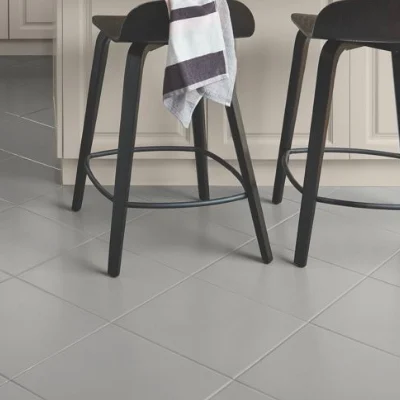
x,y
169,205
339,202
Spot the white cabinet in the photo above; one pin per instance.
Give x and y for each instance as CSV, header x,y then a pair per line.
x,y
363,109
264,66
31,19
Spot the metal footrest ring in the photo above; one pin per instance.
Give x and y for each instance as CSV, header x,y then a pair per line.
x,y
169,205
339,202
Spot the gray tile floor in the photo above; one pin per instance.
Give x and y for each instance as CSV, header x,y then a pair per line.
x,y
194,315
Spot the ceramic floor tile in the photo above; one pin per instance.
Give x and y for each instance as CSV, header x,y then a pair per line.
x,y
11,391
12,60
274,214
341,241
27,240
94,217
22,180
187,193
299,292
222,214
180,240
45,117
219,329
28,139
30,73
316,364
36,325
169,193
293,194
9,61
389,220
115,364
80,276
27,98
237,391
370,313
390,272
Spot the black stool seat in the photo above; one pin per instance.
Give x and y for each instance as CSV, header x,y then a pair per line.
x,y
149,23
368,21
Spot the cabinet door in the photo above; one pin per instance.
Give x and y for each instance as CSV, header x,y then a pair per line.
x,y
264,66
373,106
156,125
32,19
3,19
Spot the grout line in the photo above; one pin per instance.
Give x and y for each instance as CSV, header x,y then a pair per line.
x,y
173,351
283,221
361,221
37,122
61,254
5,378
28,159
34,112
112,322
283,341
27,390
47,193
310,322
257,390
180,282
355,340
62,299
59,351
218,391
381,280
57,222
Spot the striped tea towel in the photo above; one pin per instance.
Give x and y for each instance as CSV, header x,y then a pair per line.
x,y
201,56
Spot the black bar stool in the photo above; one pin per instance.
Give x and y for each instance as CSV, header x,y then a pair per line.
x,y
345,25
147,28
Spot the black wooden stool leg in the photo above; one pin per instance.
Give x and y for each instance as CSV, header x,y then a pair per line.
x,y
300,53
250,185
322,106
92,109
396,76
127,136
200,141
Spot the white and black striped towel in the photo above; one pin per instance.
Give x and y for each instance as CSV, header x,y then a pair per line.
x,y
201,56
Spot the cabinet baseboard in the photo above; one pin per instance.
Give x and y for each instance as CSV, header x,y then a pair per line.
x,y
182,172
26,47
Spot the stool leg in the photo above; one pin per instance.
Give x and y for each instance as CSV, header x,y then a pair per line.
x,y
300,53
322,106
200,141
250,185
396,76
127,136
92,109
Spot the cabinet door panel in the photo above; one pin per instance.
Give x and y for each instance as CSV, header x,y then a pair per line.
x,y
32,19
264,67
374,119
